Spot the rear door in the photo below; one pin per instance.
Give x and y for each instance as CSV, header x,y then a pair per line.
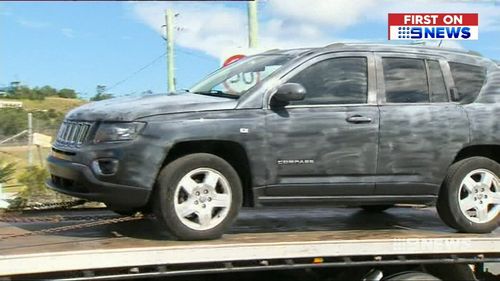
x,y
420,129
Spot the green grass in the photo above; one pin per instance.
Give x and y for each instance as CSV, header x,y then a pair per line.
x,y
19,154
58,104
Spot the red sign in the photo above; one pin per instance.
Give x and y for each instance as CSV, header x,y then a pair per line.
x,y
232,59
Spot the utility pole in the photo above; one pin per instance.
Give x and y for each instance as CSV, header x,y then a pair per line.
x,y
169,23
253,29
30,139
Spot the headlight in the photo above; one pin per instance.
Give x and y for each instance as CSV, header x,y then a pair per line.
x,y
118,131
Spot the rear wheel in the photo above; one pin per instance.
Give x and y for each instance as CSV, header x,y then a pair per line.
x,y
469,199
198,197
376,208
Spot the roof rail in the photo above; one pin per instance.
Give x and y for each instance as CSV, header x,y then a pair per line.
x,y
333,45
272,50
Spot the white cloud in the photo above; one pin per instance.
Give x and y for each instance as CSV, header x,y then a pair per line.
x,y
446,44
334,13
33,24
214,27
205,27
68,32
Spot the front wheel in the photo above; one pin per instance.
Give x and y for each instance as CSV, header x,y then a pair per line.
x,y
198,197
469,199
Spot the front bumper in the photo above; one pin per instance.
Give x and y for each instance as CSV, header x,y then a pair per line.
x,y
78,180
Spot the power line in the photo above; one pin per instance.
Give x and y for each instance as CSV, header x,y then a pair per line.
x,y
193,54
136,72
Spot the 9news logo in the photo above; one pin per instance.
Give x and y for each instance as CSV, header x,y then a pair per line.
x,y
433,27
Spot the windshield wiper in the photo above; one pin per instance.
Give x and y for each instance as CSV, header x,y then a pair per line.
x,y
216,93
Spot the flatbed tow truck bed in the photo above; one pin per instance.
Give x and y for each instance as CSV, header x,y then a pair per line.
x,y
265,239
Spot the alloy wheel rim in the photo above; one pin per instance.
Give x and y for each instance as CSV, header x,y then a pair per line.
x,y
202,199
479,196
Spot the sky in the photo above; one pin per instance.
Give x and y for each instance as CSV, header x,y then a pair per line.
x,y
80,45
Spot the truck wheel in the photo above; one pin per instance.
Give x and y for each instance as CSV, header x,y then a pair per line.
x,y
469,200
376,208
411,276
198,197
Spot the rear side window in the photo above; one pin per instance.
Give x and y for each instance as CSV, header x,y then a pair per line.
x,y
334,81
437,87
405,80
468,80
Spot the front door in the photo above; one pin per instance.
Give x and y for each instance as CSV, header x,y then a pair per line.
x,y
325,146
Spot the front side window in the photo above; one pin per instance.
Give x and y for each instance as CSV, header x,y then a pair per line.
x,y
405,80
237,78
469,80
334,81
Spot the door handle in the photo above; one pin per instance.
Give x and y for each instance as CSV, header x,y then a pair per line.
x,y
357,119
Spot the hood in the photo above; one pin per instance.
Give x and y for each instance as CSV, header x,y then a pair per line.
x,y
132,108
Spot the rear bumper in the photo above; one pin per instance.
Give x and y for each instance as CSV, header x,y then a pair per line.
x,y
78,180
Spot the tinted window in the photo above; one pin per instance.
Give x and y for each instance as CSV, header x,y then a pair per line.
x,y
334,81
405,80
468,80
436,82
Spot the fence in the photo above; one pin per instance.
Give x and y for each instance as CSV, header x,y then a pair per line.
x,y
25,141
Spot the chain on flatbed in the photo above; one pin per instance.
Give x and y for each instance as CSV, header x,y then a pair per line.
x,y
94,220
49,206
98,222
53,218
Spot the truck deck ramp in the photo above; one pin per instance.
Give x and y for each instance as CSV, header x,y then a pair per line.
x,y
260,240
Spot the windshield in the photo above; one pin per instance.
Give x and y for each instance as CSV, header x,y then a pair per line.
x,y
235,79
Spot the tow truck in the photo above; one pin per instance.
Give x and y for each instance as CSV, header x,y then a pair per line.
x,y
404,243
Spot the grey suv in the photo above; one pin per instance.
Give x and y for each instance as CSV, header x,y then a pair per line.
x,y
346,124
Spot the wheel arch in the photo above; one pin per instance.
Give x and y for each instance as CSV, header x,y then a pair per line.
x,y
490,151
233,152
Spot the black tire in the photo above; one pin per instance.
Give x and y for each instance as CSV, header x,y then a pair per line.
x,y
411,276
167,182
376,208
451,272
448,203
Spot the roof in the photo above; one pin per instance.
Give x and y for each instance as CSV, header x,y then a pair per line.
x,y
370,47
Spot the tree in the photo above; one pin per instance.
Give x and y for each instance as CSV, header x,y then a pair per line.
x,y
18,120
34,179
101,94
6,171
46,91
25,92
67,93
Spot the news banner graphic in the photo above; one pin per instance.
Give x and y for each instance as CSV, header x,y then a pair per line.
x,y
433,26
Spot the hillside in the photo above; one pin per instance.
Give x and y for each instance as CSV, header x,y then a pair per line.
x,y
47,117
62,105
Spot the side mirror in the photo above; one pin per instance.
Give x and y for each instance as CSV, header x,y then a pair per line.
x,y
288,92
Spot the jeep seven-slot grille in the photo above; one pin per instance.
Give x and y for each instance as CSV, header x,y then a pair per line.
x,y
73,133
